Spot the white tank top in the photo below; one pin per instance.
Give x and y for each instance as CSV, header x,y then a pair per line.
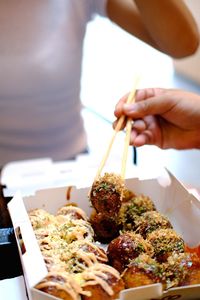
x,y
41,43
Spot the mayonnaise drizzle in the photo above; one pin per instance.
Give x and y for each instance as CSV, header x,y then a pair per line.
x,y
73,239
69,285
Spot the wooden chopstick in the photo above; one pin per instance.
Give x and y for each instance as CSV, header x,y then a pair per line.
x,y
126,147
127,138
117,128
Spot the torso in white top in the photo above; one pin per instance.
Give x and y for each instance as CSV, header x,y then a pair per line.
x,y
41,43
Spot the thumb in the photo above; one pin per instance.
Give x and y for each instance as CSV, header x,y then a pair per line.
x,y
152,106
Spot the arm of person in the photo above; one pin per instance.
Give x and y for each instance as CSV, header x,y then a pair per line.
x,y
167,118
166,25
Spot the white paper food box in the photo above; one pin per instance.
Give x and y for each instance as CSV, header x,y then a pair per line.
x,y
170,198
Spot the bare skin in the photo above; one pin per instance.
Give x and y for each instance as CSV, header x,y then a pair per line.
x,y
166,25
167,118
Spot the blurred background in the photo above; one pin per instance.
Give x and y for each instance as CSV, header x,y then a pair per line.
x,y
112,60
105,81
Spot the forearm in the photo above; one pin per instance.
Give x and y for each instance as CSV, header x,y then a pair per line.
x,y
166,25
171,25
126,14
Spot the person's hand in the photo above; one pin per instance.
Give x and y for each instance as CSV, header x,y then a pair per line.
x,y
167,118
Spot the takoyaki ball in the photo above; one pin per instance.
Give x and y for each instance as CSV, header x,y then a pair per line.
x,y
61,285
165,242
130,211
101,282
73,212
77,262
81,255
44,232
126,247
106,194
74,230
53,262
176,270
40,218
52,242
193,276
90,248
127,195
105,227
143,270
150,221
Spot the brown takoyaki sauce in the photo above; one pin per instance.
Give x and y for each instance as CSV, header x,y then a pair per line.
x,y
106,194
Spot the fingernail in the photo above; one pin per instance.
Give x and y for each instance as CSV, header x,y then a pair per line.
x,y
126,106
130,107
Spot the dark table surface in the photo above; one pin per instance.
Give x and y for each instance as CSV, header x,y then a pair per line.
x,y
10,265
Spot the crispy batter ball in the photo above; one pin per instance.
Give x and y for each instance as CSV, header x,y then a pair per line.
x,y
89,247
82,254
61,285
176,269
130,211
53,262
193,276
78,261
40,218
74,230
44,232
165,242
105,227
143,270
106,194
126,247
127,195
73,212
101,282
52,242
150,221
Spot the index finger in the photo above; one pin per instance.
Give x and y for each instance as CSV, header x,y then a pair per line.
x,y
119,106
